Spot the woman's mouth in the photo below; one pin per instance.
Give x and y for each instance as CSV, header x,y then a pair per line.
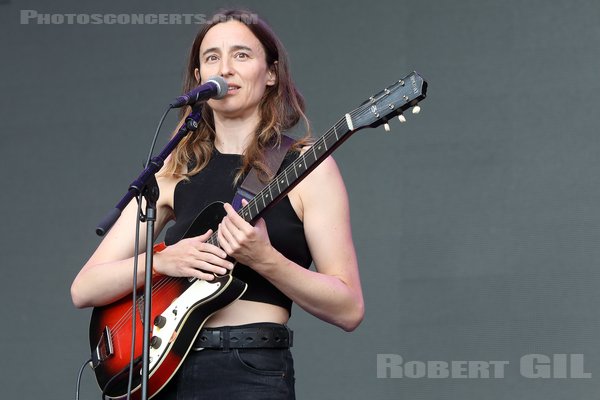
x,y
232,89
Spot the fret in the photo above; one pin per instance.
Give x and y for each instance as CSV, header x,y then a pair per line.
x,y
247,214
301,165
325,140
278,187
319,146
330,139
262,197
295,171
256,206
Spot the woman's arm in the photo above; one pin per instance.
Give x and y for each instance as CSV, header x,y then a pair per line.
x,y
108,274
333,293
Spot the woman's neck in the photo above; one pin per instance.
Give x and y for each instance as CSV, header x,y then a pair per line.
x,y
233,135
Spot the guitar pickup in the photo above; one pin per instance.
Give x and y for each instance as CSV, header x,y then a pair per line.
x,y
104,349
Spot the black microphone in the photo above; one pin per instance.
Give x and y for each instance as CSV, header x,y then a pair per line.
x,y
213,88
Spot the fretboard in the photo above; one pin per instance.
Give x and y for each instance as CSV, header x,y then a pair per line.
x,y
293,174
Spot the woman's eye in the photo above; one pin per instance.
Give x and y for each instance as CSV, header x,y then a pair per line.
x,y
212,57
241,55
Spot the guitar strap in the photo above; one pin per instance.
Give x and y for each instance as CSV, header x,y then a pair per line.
x,y
252,185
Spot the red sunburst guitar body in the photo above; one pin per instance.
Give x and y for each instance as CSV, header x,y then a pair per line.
x,y
180,306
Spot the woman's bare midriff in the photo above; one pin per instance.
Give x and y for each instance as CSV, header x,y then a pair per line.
x,y
242,312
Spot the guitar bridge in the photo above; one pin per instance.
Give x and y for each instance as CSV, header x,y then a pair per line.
x,y
104,349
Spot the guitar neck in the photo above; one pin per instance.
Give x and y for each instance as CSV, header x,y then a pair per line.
x,y
294,173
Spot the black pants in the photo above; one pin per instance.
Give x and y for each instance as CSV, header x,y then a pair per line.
x,y
237,374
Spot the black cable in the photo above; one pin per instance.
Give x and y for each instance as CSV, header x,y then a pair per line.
x,y
162,119
78,386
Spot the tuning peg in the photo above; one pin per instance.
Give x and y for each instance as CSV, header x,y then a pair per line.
x,y
416,109
386,126
402,118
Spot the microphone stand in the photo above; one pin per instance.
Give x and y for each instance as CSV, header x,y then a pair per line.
x,y
146,185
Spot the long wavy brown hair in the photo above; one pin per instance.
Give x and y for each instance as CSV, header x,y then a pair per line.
x,y
281,107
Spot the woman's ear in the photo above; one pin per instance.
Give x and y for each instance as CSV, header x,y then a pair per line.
x,y
272,77
197,75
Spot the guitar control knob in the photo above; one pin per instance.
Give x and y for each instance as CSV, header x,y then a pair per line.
x,y
155,342
160,321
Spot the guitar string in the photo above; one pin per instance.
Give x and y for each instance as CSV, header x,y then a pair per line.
x,y
165,283
157,288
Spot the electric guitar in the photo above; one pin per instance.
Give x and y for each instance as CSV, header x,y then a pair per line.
x,y
180,306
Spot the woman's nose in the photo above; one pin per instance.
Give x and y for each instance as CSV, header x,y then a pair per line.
x,y
225,67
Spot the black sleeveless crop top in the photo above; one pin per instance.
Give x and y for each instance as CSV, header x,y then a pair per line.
x,y
286,231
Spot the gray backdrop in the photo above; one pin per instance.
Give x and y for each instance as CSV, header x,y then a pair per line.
x,y
476,223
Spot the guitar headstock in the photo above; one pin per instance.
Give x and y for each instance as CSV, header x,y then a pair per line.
x,y
390,102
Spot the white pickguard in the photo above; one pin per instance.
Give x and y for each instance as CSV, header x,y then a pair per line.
x,y
175,316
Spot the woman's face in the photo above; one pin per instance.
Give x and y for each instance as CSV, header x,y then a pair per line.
x,y
231,50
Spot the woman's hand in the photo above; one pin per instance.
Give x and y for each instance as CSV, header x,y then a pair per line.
x,y
192,257
249,245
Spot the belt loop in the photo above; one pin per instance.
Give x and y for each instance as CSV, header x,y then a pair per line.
x,y
225,339
290,335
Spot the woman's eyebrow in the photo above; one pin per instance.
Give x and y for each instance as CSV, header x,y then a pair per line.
x,y
233,48
240,47
211,50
